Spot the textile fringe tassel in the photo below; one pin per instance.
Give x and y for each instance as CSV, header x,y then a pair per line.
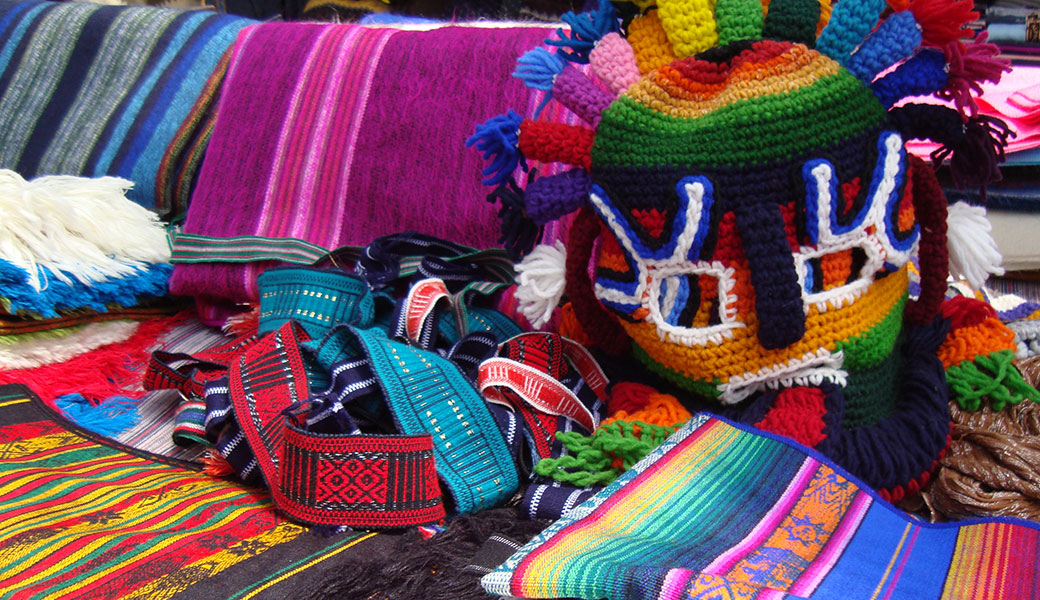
x,y
79,227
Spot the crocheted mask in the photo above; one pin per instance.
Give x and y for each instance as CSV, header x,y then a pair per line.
x,y
756,208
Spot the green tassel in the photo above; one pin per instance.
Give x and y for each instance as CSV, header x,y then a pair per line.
x,y
991,376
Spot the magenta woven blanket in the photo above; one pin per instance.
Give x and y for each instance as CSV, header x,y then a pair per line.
x,y
337,134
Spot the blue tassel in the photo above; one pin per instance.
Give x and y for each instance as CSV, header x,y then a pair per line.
x,y
498,140
586,30
538,69
110,418
895,39
923,74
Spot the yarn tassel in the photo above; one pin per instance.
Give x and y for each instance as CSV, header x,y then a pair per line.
x,y
519,232
973,252
78,227
975,158
614,62
585,30
969,65
895,39
498,141
541,278
943,21
109,418
538,69
216,465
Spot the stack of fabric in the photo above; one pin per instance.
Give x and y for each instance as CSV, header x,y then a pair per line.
x,y
98,90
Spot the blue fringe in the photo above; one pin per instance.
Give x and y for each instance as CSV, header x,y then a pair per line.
x,y
586,30
150,281
498,139
538,69
110,418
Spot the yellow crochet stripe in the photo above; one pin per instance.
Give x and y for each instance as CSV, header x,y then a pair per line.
x,y
690,25
667,91
744,356
649,42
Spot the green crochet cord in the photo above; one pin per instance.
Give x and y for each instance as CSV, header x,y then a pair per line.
x,y
989,376
591,456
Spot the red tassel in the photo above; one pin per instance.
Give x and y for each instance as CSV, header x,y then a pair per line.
x,y
943,21
969,66
966,312
556,142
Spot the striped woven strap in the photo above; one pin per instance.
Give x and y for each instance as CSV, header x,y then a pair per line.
x,y
192,248
370,481
428,394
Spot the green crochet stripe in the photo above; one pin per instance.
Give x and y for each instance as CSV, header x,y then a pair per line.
x,y
751,131
698,387
872,347
871,394
738,20
991,377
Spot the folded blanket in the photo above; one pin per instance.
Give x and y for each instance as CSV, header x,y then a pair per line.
x,y
338,134
106,90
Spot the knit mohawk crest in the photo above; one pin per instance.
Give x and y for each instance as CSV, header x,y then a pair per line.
x,y
743,168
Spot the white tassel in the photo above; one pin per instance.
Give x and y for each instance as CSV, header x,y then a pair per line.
x,y
83,226
973,252
542,276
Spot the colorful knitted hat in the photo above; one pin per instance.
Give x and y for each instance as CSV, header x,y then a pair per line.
x,y
755,210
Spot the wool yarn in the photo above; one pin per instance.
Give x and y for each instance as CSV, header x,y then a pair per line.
x,y
750,211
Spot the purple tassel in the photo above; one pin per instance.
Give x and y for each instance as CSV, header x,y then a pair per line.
x,y
498,139
975,158
552,197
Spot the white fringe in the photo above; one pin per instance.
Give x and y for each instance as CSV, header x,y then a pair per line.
x,y
79,225
541,279
973,252
46,351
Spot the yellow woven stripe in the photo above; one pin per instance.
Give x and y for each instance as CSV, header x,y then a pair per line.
x,y
66,479
304,567
13,402
668,92
892,561
628,512
97,500
132,525
649,42
743,355
690,25
65,440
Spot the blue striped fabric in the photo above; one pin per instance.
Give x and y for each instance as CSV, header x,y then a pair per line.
x,y
99,90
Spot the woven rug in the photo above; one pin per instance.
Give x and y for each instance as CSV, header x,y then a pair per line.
x,y
721,512
83,518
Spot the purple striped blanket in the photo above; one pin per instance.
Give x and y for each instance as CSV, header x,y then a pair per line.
x,y
337,134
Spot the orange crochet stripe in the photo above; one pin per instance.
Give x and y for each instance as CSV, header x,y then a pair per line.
x,y
965,343
650,42
743,355
663,410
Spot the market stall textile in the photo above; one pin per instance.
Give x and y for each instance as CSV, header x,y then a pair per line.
x,y
723,509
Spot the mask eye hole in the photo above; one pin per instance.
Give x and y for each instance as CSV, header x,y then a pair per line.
x,y
834,270
690,300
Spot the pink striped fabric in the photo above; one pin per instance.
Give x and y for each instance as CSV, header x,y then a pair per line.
x,y
337,134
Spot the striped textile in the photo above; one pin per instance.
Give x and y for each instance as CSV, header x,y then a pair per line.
x,y
80,519
99,90
338,134
157,410
720,511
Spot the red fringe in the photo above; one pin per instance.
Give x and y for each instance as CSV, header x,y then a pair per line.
x,y
943,21
215,465
112,370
